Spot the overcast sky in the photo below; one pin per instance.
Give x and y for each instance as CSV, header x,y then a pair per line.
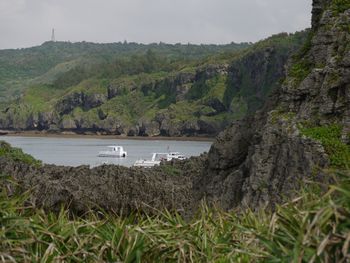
x,y
25,23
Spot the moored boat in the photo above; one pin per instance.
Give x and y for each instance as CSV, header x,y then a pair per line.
x,y
157,158
114,151
175,155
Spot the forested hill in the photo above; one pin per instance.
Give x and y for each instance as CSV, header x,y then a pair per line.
x,y
136,89
18,65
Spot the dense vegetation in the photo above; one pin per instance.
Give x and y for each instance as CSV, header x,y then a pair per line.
x,y
16,154
88,87
330,137
77,61
314,227
243,81
339,6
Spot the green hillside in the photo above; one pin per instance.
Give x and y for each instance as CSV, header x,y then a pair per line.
x,y
19,66
135,89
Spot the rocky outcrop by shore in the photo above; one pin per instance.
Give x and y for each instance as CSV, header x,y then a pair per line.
x,y
112,188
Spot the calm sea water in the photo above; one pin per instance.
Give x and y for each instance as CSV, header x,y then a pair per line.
x,y
78,151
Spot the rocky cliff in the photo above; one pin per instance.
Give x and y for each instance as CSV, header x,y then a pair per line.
x,y
258,161
191,100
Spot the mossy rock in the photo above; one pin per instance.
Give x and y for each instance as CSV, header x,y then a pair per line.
x,y
330,137
16,154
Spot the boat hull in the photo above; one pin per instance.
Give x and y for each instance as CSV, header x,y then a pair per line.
x,y
146,164
116,155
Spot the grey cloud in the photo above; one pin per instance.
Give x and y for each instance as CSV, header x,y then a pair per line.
x,y
28,22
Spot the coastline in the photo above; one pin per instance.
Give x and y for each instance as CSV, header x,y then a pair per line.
x,y
100,136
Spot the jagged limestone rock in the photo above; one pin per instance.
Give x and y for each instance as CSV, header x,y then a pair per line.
x,y
260,160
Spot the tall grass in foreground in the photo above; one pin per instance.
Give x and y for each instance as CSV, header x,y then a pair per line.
x,y
311,228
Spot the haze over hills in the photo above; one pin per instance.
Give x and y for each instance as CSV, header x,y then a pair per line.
x,y
137,89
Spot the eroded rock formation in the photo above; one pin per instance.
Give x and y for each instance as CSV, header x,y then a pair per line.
x,y
260,160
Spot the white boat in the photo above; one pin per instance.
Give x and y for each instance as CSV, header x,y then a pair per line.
x,y
159,157
175,155
114,151
156,159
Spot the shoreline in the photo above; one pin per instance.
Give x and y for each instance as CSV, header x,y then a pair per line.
x,y
100,136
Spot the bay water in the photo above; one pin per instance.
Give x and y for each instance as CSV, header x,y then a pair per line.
x,y
84,151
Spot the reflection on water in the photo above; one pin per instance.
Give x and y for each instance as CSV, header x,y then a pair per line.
x,y
79,151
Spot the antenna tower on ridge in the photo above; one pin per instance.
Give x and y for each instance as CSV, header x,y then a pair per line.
x,y
53,39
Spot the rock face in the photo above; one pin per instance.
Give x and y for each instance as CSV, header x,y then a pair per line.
x,y
257,164
325,90
67,104
255,75
112,188
261,159
148,128
186,102
86,101
318,7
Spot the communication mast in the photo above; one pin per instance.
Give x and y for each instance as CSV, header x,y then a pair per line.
x,y
53,39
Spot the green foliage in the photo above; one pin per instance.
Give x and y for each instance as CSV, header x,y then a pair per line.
x,y
16,154
314,227
255,72
238,107
330,137
148,78
301,67
41,97
300,70
217,87
185,111
311,228
279,114
199,89
129,107
91,86
205,87
305,47
65,64
339,6
170,169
